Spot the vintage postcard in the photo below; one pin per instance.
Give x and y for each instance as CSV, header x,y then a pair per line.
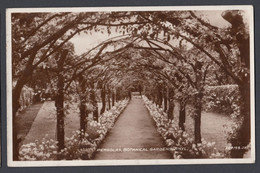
x,y
130,86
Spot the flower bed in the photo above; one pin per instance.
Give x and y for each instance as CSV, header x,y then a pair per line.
x,y
180,143
80,146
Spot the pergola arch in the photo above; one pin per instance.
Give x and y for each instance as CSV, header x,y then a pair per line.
x,y
141,32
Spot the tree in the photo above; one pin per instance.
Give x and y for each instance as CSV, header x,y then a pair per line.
x,y
83,101
59,102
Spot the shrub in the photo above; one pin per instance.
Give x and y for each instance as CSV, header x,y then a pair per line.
x,y
78,146
26,97
219,99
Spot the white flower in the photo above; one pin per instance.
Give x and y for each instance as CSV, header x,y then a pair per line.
x,y
178,157
193,146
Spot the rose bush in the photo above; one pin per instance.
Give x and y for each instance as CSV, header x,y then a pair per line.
x,y
80,145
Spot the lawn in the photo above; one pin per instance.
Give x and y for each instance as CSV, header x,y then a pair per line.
x,y
212,129
35,124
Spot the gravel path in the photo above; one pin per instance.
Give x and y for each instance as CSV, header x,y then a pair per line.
x,y
134,136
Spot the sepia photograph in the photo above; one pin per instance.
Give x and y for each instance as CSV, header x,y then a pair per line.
x,y
130,86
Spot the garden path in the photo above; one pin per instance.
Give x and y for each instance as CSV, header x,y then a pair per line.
x,y
134,130
44,124
26,119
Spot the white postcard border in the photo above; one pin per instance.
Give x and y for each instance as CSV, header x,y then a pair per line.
x,y
12,163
